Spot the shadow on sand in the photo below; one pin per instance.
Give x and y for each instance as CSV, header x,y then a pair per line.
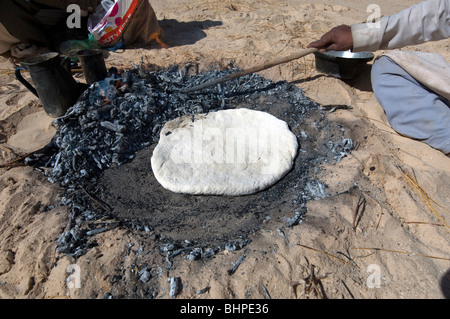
x,y
178,33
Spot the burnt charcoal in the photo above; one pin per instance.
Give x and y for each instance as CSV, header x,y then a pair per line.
x,y
175,286
116,119
298,217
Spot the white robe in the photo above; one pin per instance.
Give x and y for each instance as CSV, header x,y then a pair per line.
x,y
423,22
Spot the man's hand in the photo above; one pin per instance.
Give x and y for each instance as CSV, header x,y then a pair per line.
x,y
338,39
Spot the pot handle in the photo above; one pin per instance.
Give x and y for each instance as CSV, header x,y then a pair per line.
x,y
25,82
65,63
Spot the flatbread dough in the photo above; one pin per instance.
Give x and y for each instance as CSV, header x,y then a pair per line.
x,y
230,152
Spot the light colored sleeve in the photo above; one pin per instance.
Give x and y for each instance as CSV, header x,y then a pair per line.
x,y
423,22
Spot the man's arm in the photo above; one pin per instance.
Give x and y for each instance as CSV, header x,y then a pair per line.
x,y
423,22
426,21
339,39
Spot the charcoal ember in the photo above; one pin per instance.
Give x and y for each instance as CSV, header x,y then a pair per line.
x,y
145,274
112,126
208,252
175,286
72,242
297,218
194,254
236,244
123,114
107,125
167,247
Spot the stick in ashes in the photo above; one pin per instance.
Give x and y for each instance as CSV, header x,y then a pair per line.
x,y
233,269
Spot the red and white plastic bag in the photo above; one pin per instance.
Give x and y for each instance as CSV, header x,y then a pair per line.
x,y
125,22
112,24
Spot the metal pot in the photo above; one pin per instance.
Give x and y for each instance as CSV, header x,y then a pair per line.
x,y
54,85
342,64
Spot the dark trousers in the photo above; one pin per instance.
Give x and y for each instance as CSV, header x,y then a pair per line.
x,y
18,17
23,20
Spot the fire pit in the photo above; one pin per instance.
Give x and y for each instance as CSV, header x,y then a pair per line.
x,y
105,141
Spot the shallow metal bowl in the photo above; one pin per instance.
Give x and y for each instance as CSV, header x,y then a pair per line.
x,y
342,64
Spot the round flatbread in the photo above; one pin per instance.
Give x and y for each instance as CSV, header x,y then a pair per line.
x,y
230,152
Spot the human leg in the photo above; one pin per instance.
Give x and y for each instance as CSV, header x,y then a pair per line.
x,y
411,108
17,16
6,40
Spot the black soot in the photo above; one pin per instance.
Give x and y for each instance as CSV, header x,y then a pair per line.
x,y
104,143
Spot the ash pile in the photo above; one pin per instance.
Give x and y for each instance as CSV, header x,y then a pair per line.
x,y
104,143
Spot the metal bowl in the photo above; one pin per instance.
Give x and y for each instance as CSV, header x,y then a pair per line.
x,y
342,64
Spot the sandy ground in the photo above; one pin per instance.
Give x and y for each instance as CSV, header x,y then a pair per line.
x,y
398,249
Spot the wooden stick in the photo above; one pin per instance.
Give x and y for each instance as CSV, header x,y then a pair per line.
x,y
408,253
257,68
412,182
9,150
425,223
360,208
327,254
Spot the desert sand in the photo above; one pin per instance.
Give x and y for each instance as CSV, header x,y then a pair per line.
x,y
400,247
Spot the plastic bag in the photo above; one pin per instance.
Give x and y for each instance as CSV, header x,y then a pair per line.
x,y
100,12
114,21
125,21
